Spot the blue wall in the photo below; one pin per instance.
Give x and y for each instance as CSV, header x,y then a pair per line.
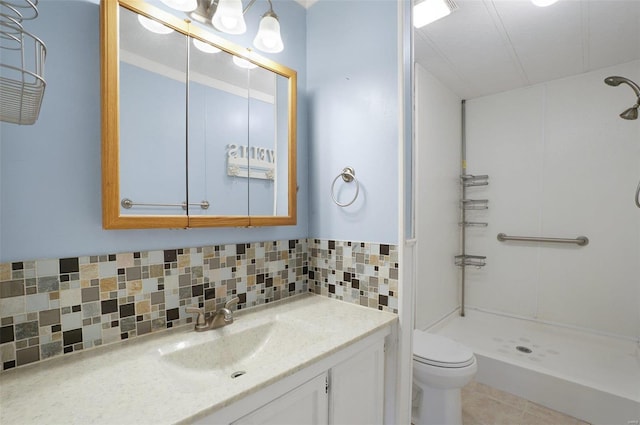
x,y
50,177
50,181
352,59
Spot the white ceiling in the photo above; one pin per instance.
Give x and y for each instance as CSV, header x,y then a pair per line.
x,y
489,46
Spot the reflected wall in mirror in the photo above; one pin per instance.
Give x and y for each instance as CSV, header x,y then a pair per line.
x,y
190,138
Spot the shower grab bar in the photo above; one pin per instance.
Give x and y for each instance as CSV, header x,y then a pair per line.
x,y
580,240
128,203
638,195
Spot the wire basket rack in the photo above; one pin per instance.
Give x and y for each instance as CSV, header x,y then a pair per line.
x,y
22,57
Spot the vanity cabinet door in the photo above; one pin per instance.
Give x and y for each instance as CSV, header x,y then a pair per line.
x,y
305,405
357,388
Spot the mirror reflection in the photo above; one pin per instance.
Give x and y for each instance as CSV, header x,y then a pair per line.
x,y
152,116
204,133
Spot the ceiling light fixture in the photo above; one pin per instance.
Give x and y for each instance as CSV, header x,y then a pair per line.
x,y
228,16
543,3
430,11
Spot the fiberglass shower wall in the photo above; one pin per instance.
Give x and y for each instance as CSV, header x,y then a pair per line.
x,y
561,164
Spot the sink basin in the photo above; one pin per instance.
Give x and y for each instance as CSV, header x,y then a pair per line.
x,y
231,348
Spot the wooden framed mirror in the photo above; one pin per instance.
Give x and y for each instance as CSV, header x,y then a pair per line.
x,y
196,131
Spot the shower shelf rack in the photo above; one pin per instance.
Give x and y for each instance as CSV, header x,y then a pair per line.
x,y
475,204
22,64
471,260
467,181
473,224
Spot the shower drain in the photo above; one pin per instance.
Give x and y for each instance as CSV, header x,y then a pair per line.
x,y
238,373
523,349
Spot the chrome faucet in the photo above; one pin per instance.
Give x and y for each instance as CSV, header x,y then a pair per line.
x,y
220,318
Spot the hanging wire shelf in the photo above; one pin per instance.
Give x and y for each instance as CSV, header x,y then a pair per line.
x,y
22,57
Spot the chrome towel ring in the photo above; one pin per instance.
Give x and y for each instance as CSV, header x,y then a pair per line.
x,y
348,174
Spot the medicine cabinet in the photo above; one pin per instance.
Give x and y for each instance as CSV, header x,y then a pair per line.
x,y
189,137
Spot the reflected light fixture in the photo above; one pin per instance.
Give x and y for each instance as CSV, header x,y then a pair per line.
x,y
154,26
429,11
228,16
182,5
205,47
243,63
543,3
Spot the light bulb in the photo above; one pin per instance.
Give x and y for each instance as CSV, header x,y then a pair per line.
x,y
228,22
205,47
154,26
229,18
182,5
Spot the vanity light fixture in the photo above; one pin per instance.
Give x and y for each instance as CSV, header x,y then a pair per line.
x,y
154,26
543,3
268,38
228,16
429,11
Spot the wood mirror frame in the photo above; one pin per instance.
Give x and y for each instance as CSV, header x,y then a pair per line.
x,y
112,217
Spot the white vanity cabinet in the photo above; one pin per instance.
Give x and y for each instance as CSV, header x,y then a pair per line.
x,y
349,390
306,405
356,388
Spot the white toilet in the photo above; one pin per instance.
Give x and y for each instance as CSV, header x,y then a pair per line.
x,y
441,367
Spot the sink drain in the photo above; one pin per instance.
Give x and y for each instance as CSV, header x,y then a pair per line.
x,y
524,349
238,373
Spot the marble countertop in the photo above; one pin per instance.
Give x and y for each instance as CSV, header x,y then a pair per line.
x,y
133,383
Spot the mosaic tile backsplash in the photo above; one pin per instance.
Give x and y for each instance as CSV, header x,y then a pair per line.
x,y
57,306
357,272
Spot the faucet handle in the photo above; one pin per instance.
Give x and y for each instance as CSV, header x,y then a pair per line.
x,y
233,301
201,323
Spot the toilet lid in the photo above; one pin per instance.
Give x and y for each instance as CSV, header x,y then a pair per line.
x,y
440,351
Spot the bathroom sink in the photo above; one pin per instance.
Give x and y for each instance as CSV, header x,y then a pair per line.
x,y
231,348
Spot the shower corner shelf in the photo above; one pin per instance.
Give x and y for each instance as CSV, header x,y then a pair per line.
x,y
22,67
470,180
470,260
475,204
473,224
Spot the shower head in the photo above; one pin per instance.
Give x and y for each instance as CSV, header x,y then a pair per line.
x,y
631,113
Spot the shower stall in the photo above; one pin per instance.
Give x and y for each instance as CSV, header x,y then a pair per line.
x,y
556,323
563,166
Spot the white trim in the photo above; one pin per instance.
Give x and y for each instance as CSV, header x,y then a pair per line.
x,y
406,250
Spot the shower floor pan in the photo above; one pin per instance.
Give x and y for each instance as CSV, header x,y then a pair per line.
x,y
592,377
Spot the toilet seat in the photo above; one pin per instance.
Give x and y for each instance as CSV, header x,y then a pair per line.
x,y
436,350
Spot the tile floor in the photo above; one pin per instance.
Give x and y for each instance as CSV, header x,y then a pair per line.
x,y
484,405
